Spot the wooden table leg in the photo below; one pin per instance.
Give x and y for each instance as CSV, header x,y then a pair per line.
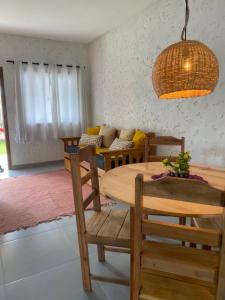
x,y
131,251
182,221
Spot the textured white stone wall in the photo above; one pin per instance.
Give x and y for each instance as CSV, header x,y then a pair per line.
x,y
121,66
40,50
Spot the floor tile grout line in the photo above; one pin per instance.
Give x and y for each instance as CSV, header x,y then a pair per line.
x,y
30,171
57,226
56,267
62,228
100,285
45,271
42,272
2,267
4,292
29,235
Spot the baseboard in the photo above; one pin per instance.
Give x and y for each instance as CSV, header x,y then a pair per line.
x,y
35,165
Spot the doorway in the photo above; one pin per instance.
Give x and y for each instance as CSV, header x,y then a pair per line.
x,y
5,154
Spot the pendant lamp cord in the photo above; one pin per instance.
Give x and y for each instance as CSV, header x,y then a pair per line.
x,y
184,31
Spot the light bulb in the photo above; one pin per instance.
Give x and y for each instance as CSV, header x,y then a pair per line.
x,y
187,65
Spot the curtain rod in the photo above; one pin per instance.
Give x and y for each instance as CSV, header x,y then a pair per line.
x,y
45,64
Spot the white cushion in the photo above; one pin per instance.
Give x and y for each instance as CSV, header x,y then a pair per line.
x,y
91,140
119,144
108,135
126,134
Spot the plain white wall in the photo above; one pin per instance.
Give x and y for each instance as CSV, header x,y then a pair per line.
x,y
121,65
38,50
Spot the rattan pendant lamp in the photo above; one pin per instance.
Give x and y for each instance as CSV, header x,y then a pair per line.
x,y
186,69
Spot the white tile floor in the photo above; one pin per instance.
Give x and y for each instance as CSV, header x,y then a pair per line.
x,y
29,171
42,263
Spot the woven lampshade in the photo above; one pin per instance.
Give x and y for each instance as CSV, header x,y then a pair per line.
x,y
184,70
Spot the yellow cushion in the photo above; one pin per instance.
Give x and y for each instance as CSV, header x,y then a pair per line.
x,y
139,138
93,130
102,149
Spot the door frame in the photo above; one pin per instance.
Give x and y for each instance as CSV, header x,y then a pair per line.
x,y
5,119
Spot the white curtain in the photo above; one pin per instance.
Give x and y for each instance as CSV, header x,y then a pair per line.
x,y
50,102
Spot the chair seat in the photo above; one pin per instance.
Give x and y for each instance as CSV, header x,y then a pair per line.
x,y
209,223
156,287
109,227
187,264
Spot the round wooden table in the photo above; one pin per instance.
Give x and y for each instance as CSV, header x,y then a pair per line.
x,y
118,184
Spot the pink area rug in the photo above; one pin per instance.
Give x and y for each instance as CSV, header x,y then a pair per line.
x,y
29,200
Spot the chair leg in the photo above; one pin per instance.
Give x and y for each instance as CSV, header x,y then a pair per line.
x,y
101,253
182,221
131,254
146,218
192,245
85,265
205,247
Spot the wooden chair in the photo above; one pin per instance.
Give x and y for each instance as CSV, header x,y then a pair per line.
x,y
85,168
108,228
153,142
168,271
207,223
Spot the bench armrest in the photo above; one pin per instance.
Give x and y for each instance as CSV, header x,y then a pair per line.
x,y
69,141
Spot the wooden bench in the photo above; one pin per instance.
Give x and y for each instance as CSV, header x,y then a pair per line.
x,y
110,158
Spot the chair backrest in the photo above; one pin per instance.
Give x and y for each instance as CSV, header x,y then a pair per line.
x,y
83,170
177,190
153,142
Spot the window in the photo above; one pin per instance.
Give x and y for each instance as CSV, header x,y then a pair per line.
x,y
49,102
37,94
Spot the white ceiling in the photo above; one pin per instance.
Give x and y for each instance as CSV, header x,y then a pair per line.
x,y
69,20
